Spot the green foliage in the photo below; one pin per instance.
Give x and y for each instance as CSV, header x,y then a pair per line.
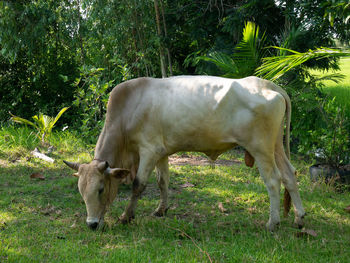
x,y
37,39
337,9
333,137
276,66
42,123
45,43
91,99
246,57
320,126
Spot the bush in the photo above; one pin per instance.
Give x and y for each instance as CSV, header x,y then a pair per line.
x,y
321,128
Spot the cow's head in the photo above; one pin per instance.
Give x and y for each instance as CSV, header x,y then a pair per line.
x,y
98,185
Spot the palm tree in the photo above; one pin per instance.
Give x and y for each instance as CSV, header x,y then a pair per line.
x,y
246,57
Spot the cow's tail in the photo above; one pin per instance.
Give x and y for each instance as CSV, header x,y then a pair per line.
x,y
287,199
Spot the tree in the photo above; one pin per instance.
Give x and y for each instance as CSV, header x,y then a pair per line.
x,y
37,56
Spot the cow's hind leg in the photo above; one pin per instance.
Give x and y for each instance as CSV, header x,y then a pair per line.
x,y
162,173
146,166
272,179
289,181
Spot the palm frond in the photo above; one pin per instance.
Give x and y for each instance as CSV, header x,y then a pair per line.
x,y
250,50
223,61
246,57
335,77
275,67
53,121
251,47
22,121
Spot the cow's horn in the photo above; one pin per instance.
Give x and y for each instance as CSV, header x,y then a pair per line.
x,y
74,166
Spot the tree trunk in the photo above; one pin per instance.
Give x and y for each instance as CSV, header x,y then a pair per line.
x,y
166,35
140,36
161,51
80,33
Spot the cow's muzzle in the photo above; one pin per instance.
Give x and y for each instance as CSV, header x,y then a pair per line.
x,y
94,224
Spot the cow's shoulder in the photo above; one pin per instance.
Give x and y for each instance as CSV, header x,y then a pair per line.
x,y
131,86
127,92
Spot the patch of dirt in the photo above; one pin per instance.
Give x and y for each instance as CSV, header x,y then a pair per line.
x,y
199,161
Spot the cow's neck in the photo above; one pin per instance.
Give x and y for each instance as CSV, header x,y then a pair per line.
x,y
103,154
106,148
111,147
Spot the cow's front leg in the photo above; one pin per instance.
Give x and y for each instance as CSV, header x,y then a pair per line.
x,y
145,169
162,173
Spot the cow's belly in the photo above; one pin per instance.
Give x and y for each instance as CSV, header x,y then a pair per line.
x,y
203,135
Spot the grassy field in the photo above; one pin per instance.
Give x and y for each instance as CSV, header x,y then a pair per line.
x,y
339,90
215,215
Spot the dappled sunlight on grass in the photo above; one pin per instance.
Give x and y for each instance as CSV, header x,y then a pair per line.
x,y
223,210
341,90
5,218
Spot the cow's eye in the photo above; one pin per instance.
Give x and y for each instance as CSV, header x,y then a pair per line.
x,y
100,191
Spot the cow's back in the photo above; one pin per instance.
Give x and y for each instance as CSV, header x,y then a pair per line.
x,y
197,113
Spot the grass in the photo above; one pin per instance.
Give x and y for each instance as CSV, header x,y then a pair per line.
x,y
44,220
341,90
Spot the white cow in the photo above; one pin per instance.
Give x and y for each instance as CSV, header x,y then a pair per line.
x,y
149,119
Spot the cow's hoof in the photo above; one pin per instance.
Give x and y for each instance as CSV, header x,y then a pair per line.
x,y
272,226
160,212
299,222
124,219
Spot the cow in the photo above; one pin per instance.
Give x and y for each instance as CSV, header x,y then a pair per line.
x,y
149,119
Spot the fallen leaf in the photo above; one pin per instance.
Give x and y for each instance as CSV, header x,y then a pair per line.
x,y
347,209
37,176
306,232
186,185
221,208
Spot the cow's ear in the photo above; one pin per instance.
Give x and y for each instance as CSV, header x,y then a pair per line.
x,y
75,175
102,167
118,173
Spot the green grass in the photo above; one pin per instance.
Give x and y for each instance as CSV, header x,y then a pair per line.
x,y
44,220
341,91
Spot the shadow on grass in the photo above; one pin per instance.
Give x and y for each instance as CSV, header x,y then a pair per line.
x,y
218,209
